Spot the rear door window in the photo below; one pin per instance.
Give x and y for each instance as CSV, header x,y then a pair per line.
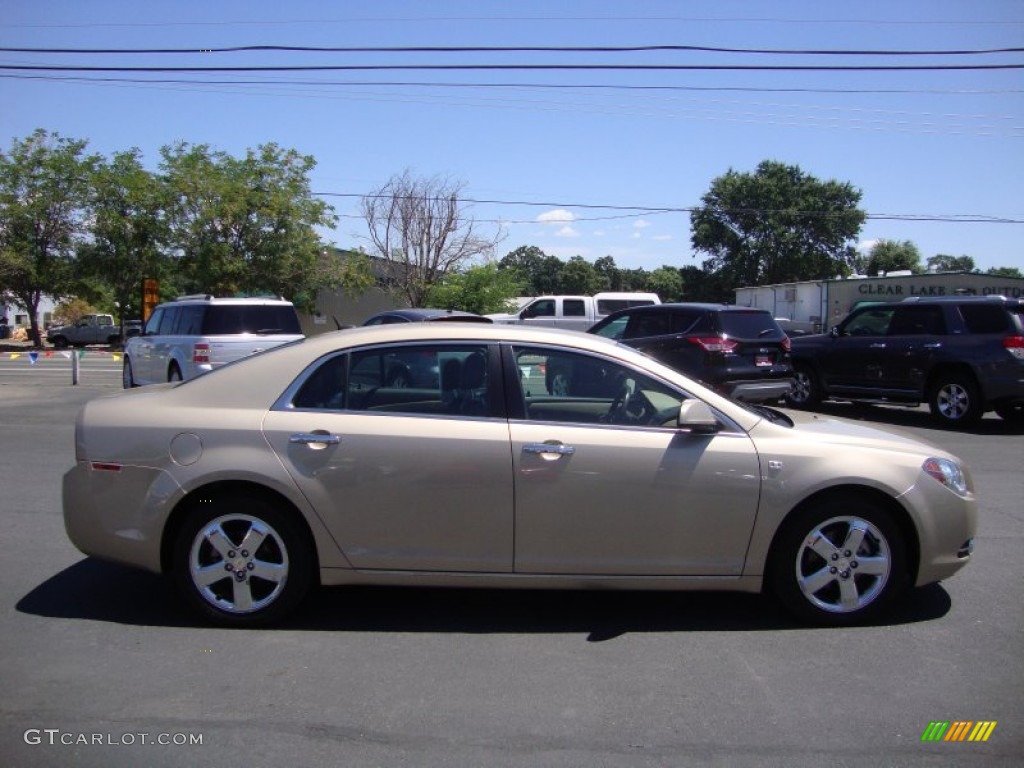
x,y
750,325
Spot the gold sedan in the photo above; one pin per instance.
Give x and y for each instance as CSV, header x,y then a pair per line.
x,y
306,465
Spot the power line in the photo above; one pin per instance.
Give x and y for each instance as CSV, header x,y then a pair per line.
x,y
531,68
629,211
521,49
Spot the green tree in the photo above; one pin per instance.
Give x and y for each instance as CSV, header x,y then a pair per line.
x,y
579,276
942,262
667,282
129,230
537,272
891,255
245,225
610,273
1005,272
43,191
776,225
481,289
420,228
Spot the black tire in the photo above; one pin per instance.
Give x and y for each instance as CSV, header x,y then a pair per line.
x,y
258,586
839,562
127,377
174,373
806,389
954,399
60,342
1012,414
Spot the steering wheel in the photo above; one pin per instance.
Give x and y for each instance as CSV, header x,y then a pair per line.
x,y
631,406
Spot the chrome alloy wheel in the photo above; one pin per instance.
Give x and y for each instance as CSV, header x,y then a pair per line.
x,y
953,401
843,564
238,563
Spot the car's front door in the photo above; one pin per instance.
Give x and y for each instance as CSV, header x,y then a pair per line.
x,y
609,486
405,478
853,360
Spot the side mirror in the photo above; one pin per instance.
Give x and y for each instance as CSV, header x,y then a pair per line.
x,y
697,417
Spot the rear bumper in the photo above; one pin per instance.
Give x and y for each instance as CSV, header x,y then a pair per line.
x,y
758,391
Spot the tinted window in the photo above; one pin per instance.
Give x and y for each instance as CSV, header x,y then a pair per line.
x,y
169,321
190,320
613,329
984,318
250,318
325,388
544,308
870,322
153,324
645,324
574,308
749,325
918,321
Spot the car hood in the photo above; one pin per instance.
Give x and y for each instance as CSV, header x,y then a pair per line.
x,y
833,430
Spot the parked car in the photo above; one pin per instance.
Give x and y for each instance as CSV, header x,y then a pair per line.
x,y
195,334
962,355
739,351
415,370
292,467
88,329
424,314
575,313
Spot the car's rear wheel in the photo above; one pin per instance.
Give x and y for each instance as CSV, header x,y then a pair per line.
x,y
240,561
841,561
174,373
60,342
127,377
954,399
806,391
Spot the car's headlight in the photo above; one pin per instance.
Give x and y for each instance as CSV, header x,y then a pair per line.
x,y
948,473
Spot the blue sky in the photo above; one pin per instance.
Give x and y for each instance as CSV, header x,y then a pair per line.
x,y
578,161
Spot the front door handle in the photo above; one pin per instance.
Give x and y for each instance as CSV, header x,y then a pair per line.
x,y
550,449
316,439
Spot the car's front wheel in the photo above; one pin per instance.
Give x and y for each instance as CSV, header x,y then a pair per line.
x,y
806,391
127,377
954,399
240,561
839,562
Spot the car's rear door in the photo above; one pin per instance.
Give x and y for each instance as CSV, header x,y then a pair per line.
x,y
405,478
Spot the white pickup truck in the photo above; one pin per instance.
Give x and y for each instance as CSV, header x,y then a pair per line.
x,y
576,313
90,329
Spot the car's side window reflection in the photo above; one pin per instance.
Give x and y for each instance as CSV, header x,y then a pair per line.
x,y
563,386
447,380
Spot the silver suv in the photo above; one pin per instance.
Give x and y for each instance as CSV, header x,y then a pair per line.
x,y
195,334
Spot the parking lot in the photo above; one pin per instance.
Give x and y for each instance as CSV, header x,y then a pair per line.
x,y
102,667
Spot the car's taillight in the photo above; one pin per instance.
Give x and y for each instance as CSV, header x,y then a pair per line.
x,y
714,343
787,345
201,353
1015,346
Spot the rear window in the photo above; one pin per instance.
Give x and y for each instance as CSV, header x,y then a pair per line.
x,y
250,318
749,325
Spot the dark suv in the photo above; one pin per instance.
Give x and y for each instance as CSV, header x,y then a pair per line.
x,y
961,355
739,351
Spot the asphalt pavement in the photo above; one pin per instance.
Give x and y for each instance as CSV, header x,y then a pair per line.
x,y
100,666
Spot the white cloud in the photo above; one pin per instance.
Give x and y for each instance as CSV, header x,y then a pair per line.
x,y
556,216
567,231
865,246
641,224
662,237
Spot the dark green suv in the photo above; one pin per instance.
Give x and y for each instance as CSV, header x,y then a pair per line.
x,y
962,355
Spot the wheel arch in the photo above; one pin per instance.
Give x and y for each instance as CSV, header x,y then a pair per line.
x,y
849,494
956,368
191,500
